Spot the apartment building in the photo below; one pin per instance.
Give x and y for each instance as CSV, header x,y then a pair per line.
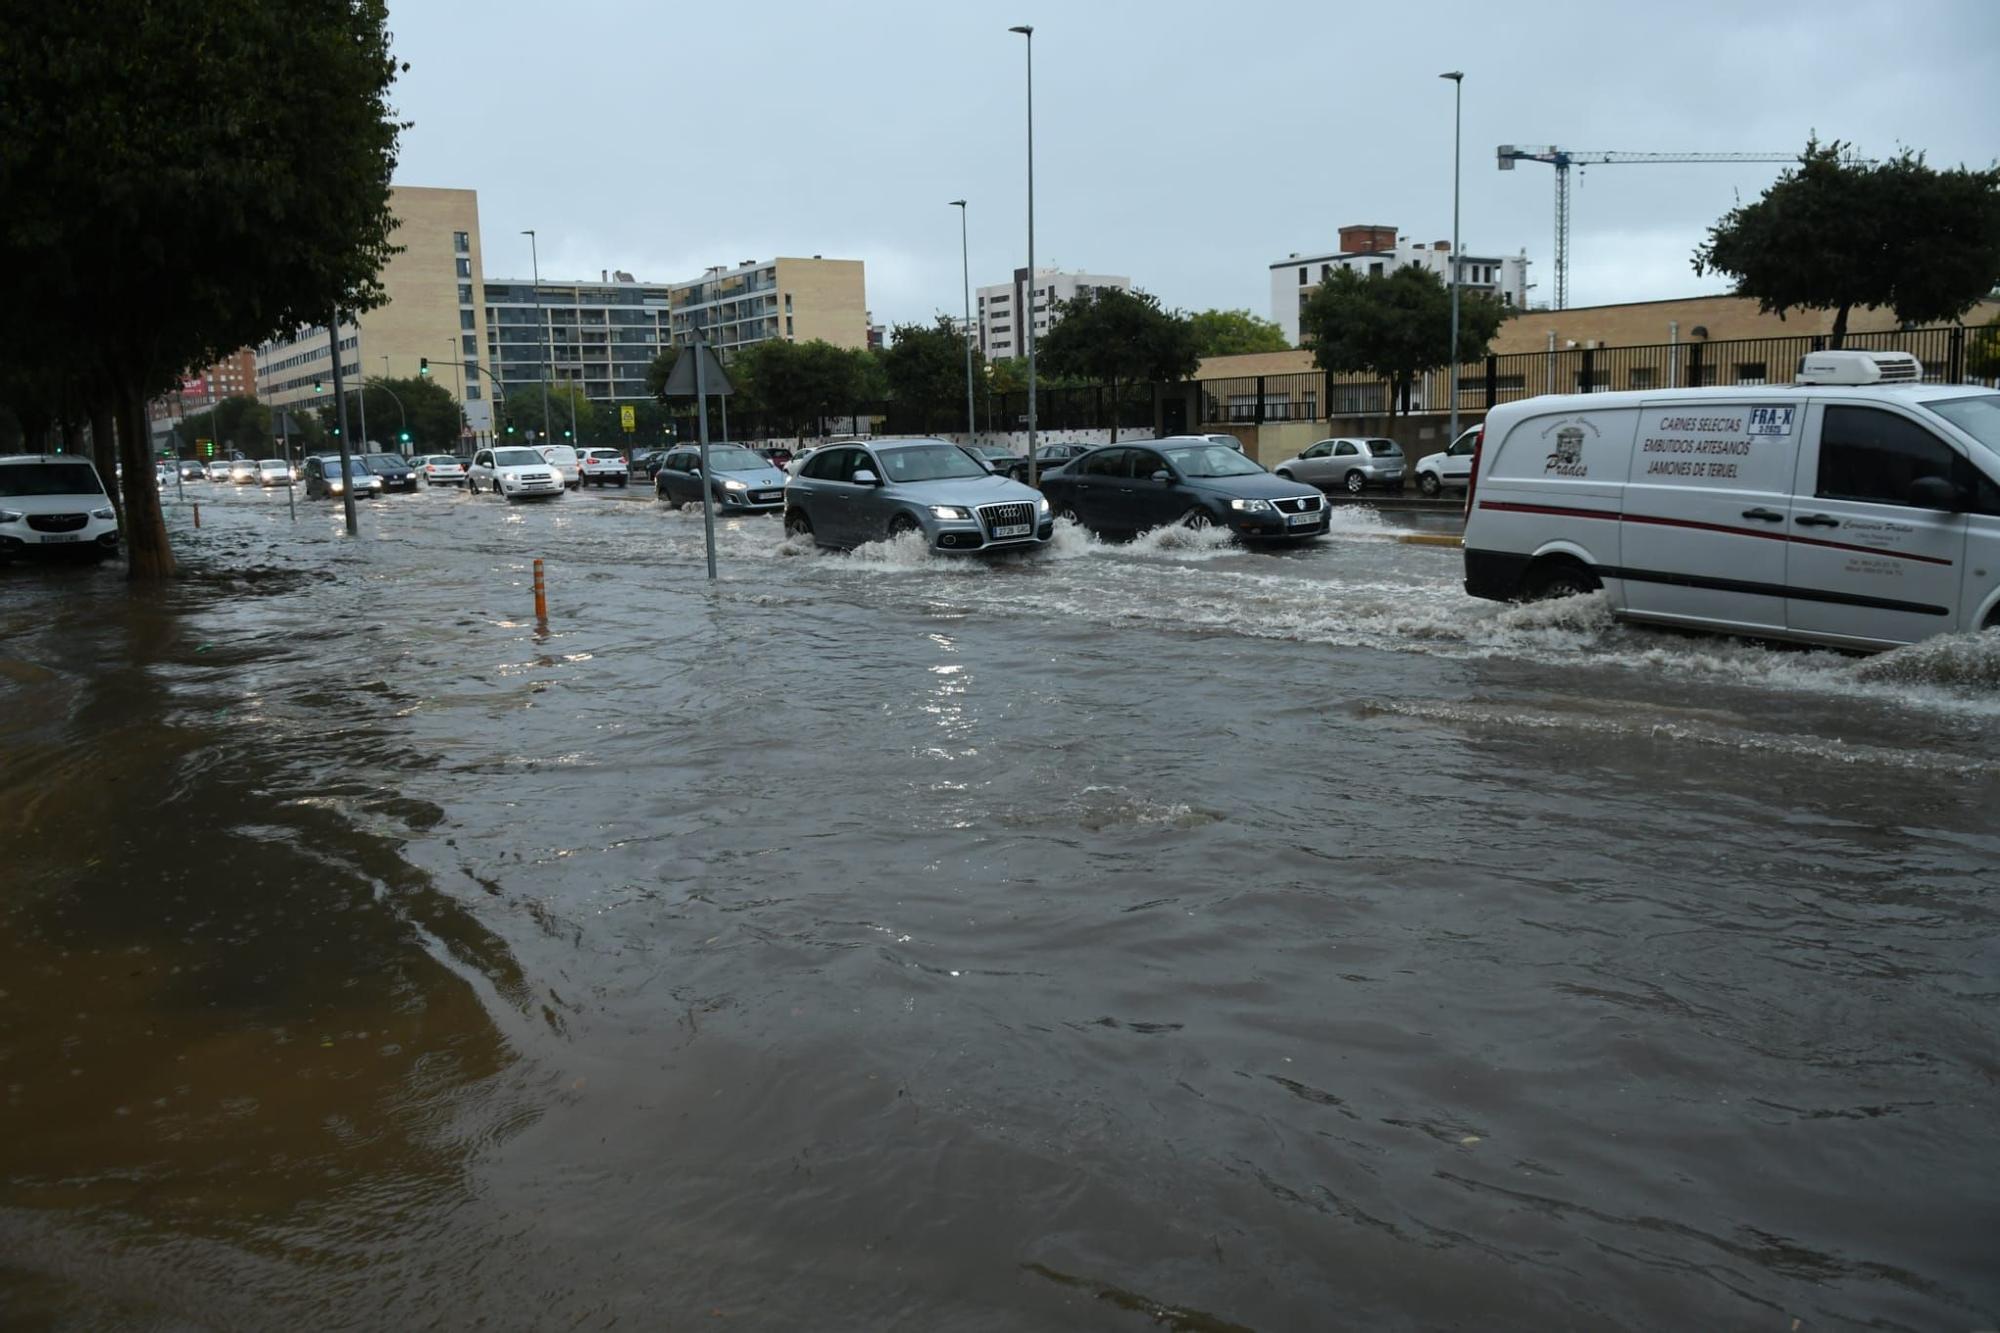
x,y
233,376
1002,327
798,300
600,336
1370,249
436,310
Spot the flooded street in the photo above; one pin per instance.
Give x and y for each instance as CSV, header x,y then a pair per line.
x,y
1111,937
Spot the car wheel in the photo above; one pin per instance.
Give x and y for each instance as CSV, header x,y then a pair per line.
x,y
1068,514
1560,578
1355,483
621,483
797,524
901,524
673,501
1197,518
1428,483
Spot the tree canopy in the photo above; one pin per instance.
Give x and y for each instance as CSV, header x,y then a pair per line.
x,y
1396,325
924,365
1834,233
183,178
1118,338
522,409
1234,333
238,422
796,384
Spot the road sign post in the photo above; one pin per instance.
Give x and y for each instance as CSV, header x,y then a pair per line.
x,y
697,372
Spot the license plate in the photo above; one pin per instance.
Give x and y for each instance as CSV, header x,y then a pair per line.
x,y
1012,530
1302,520
62,537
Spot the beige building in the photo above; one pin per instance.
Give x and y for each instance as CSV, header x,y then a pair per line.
x,y
435,310
795,299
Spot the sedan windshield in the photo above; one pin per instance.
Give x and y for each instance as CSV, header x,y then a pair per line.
x,y
1978,417
50,479
518,458
274,464
928,462
1211,460
734,458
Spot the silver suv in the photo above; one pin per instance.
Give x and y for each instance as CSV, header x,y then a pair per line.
x,y
847,494
1351,464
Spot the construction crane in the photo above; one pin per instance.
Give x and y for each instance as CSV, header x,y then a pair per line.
x,y
1563,158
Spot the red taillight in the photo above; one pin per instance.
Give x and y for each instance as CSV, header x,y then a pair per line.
x,y
1472,478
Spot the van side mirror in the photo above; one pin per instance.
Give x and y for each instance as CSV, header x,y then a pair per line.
x,y
1936,493
863,477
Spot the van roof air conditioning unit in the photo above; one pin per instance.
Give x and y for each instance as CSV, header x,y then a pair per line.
x,y
1859,368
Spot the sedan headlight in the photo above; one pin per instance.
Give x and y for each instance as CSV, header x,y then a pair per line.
x,y
948,511
1252,506
11,516
107,513
733,485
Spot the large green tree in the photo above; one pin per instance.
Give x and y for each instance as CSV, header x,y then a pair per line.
x,y
522,409
1836,233
798,384
924,366
182,178
1234,333
422,406
239,423
1396,325
1115,337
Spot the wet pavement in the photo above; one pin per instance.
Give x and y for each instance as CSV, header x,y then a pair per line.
x,y
1115,937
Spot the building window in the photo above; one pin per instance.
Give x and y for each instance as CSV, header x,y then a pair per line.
x,y
472,393
465,319
1325,272
461,242
788,303
464,267
1375,269
465,293
1302,275
1750,372
788,319
471,345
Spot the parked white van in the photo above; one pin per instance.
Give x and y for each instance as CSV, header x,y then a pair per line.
x,y
1857,507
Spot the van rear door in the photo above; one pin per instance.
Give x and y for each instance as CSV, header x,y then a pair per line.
x,y
1867,561
1707,510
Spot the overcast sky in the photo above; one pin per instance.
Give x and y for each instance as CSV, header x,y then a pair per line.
x,y
1186,145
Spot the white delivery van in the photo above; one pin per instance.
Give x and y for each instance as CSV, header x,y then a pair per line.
x,y
1857,507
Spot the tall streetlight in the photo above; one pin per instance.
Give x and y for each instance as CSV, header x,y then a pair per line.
x,y
1457,78
541,330
1027,30
965,253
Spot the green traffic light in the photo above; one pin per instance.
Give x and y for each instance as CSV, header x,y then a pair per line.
x,y
404,437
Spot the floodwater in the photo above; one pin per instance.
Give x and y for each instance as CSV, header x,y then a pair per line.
x,y
1116,937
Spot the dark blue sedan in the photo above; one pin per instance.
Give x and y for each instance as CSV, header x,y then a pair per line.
x,y
1121,490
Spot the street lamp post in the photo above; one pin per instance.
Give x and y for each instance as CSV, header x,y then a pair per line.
x,y
1027,30
965,255
541,329
1457,78
458,380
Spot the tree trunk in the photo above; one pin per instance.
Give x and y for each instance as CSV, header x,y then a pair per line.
x,y
104,451
149,555
1839,335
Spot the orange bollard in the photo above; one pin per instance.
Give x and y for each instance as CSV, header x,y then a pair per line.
x,y
541,594
197,515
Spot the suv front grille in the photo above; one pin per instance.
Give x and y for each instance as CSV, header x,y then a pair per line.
x,y
57,522
1011,514
1298,504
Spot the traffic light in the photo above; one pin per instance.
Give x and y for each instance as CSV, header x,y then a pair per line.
x,y
565,434
207,448
336,430
510,429
423,365
404,436
319,386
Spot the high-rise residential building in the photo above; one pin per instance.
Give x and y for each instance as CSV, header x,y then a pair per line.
x,y
1002,332
795,299
1369,249
435,311
600,336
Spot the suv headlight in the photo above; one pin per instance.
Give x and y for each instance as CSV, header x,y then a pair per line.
x,y
107,513
11,516
1252,506
1042,504
949,511
336,486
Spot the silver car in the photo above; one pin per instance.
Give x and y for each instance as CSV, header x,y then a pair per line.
x,y
1350,464
847,494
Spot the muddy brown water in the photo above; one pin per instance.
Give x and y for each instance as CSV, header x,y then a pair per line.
x,y
1119,937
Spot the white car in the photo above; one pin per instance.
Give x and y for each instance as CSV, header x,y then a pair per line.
x,y
274,472
1452,467
52,503
218,469
441,470
243,471
515,472
1348,463
606,467
1857,507
563,459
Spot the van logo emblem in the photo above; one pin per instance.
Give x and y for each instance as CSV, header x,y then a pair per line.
x,y
1566,450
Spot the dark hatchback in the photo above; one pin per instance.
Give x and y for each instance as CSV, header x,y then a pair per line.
x,y
1003,461
394,470
1122,490
1052,456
